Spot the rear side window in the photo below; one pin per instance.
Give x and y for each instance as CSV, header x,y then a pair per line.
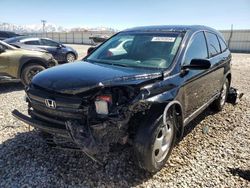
x,y
213,44
197,48
32,42
222,44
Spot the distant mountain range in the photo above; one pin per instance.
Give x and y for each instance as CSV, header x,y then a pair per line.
x,y
49,27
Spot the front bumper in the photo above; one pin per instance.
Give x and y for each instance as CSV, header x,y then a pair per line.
x,y
75,132
46,127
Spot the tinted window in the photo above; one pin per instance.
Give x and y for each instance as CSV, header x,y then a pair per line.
x,y
213,44
32,42
197,48
49,42
222,45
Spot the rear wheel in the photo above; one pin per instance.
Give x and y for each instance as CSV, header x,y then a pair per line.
x,y
70,57
155,140
219,103
29,71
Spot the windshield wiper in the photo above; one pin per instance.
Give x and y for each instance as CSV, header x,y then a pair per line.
x,y
108,63
121,65
97,61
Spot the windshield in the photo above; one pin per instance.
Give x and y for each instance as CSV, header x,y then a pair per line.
x,y
146,50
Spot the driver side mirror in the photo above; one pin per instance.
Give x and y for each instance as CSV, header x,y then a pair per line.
x,y
196,64
2,49
59,46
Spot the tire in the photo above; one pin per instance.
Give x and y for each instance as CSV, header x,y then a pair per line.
x,y
29,71
219,103
150,138
70,57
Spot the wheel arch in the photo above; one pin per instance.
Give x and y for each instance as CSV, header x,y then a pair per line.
x,y
180,118
29,62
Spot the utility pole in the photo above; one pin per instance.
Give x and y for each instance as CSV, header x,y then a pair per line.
x,y
43,22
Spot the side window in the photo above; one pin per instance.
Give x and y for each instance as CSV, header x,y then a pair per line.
x,y
49,43
223,45
32,42
197,48
213,44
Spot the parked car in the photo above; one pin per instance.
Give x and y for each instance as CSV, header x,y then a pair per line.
x,y
60,52
7,34
99,38
22,64
144,96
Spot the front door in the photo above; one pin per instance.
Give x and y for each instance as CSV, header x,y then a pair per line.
x,y
53,48
197,83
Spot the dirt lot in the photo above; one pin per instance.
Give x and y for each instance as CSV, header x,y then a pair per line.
x,y
214,153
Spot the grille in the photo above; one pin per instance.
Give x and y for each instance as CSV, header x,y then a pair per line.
x,y
67,107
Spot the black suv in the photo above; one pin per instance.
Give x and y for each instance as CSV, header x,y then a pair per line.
x,y
142,87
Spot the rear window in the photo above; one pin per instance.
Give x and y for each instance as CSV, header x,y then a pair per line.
x,y
222,45
213,44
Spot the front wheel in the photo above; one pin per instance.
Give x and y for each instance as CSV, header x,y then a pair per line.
x,y
29,71
155,140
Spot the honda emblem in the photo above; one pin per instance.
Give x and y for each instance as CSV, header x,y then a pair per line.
x,y
50,103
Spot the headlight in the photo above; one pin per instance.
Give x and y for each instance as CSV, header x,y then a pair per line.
x,y
102,104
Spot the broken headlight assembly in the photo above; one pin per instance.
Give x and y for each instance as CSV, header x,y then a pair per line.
x,y
102,104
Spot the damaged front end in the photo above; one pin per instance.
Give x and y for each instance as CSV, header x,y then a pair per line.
x,y
106,121
93,120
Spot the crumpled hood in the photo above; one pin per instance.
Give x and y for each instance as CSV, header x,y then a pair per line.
x,y
77,77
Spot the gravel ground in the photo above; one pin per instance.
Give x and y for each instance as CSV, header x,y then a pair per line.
x,y
214,153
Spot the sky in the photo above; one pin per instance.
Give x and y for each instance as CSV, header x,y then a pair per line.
x,y
121,14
